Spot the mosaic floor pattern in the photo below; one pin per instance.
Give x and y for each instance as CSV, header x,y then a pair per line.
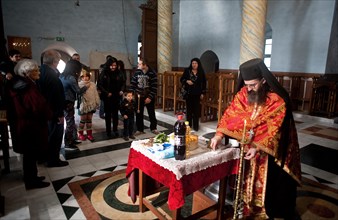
x,y
103,195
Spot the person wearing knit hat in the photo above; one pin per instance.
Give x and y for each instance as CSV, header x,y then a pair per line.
x,y
260,118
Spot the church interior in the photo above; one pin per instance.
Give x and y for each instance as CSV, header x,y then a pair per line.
x,y
297,40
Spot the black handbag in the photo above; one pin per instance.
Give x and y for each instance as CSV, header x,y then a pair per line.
x,y
183,93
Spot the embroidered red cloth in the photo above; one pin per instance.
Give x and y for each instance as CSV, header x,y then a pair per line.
x,y
178,189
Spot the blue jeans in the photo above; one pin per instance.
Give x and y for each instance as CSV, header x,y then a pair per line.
x,y
128,126
70,123
101,110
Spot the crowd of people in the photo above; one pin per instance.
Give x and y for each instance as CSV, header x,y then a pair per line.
x,y
39,100
42,103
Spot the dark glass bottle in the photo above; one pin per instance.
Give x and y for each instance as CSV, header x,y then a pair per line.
x,y
180,141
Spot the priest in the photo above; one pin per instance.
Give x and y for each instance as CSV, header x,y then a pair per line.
x,y
260,117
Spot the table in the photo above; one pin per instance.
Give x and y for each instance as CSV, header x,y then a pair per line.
x,y
180,177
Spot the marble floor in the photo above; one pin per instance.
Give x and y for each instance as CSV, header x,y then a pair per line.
x,y
318,138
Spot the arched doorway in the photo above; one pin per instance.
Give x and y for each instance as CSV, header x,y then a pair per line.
x,y
64,49
210,62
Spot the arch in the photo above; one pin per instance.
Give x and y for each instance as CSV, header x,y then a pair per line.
x,y
210,61
64,49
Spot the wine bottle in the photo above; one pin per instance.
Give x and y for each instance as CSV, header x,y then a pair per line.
x,y
180,139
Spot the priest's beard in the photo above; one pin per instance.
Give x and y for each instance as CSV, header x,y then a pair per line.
x,y
258,96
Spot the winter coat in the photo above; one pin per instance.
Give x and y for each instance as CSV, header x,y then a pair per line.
x,y
127,108
52,89
71,87
110,82
90,100
28,116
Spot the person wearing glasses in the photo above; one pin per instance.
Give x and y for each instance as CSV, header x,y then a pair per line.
x,y
260,118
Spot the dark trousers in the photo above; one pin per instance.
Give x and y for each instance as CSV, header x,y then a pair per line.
x,y
128,126
71,129
111,110
55,134
101,109
30,171
151,113
193,111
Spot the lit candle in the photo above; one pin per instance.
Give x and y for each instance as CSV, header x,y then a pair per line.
x,y
244,130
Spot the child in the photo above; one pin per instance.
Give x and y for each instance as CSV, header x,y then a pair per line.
x,y
89,102
127,112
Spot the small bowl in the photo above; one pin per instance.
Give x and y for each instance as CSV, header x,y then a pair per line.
x,y
192,142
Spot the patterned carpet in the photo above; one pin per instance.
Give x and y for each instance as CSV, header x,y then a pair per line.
x,y
103,195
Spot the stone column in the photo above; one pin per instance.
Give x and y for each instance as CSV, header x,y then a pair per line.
x,y
164,35
253,29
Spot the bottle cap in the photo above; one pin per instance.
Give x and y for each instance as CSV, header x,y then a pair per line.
x,y
186,123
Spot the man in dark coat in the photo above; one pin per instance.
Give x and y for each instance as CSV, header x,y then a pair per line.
x,y
52,89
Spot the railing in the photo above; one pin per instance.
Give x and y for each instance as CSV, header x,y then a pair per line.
x,y
324,100
300,88
220,92
171,90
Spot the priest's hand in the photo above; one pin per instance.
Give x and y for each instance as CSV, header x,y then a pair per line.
x,y
250,154
215,141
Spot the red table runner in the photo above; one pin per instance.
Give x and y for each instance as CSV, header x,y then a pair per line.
x,y
178,189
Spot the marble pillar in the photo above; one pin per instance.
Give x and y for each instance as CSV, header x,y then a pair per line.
x,y
253,29
164,35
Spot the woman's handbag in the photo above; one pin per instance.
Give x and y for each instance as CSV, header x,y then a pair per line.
x,y
183,93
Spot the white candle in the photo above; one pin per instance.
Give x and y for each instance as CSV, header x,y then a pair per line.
x,y
244,130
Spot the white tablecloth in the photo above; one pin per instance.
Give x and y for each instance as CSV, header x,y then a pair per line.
x,y
198,159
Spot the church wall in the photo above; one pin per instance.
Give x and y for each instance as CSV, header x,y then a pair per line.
x,y
210,25
301,33
92,26
301,29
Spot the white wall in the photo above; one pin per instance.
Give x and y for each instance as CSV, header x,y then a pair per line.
x,y
210,25
301,29
300,32
92,26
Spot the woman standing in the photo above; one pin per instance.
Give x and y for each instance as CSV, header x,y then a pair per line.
x,y
194,81
28,113
69,79
111,84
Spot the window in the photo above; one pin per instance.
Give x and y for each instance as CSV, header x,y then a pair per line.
x,y
61,66
139,48
267,52
268,45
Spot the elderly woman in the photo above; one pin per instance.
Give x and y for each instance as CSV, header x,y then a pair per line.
x,y
28,115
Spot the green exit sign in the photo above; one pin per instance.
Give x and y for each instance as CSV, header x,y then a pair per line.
x,y
60,39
